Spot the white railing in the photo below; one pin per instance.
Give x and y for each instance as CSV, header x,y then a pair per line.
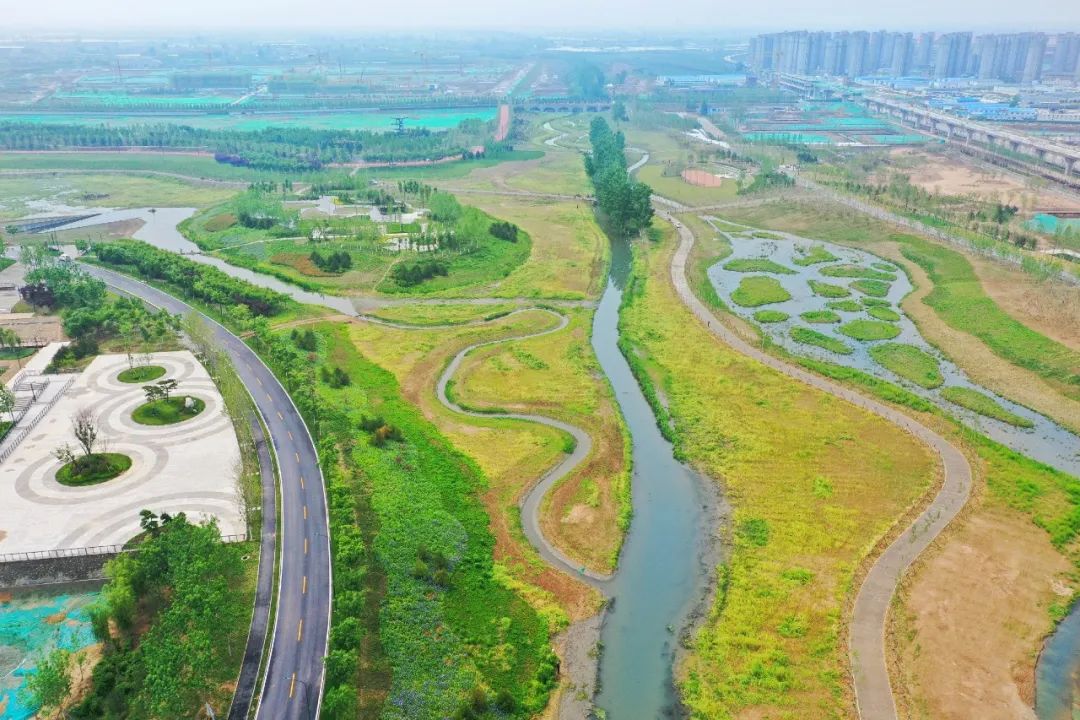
x,y
20,433
94,551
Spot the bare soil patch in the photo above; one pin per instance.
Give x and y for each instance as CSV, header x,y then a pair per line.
x,y
972,617
702,178
951,174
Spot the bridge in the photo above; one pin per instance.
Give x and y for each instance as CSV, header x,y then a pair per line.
x,y
562,106
1063,159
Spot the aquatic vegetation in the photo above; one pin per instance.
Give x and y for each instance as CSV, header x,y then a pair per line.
x,y
869,330
883,313
758,265
821,340
844,305
875,288
828,290
820,316
909,362
759,290
815,255
770,316
856,271
984,405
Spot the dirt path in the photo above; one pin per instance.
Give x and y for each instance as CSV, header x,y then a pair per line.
x,y
873,691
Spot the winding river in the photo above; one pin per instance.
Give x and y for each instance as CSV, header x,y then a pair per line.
x,y
668,548
665,562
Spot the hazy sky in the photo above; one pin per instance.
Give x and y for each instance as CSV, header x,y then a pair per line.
x,y
687,15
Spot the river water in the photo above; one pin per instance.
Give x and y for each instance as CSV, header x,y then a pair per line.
x,y
662,569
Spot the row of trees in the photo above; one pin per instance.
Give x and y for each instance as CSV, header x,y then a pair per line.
x,y
284,149
625,203
202,282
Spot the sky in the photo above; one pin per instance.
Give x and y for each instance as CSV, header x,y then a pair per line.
x,y
686,15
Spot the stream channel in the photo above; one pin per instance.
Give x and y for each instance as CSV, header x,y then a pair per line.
x,y
666,560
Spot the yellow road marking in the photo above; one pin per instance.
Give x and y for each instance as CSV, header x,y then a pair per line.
x,y
280,416
300,630
290,434
304,590
297,456
258,380
292,685
305,512
301,482
305,546
269,398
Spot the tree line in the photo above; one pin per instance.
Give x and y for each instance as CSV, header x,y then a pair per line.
x,y
202,282
279,149
625,203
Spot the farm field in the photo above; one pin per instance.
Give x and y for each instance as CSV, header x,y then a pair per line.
x,y
786,585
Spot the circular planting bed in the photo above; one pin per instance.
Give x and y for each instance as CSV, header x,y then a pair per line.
x,y
168,412
93,469
141,374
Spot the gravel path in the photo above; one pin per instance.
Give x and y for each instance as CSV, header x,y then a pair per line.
x,y
873,691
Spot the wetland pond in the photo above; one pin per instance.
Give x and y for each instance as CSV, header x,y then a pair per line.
x,y
800,293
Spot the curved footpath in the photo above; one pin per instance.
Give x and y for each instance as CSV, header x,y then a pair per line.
x,y
873,691
292,686
533,498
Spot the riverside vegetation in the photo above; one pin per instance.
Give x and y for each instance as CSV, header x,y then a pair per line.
x,y
813,483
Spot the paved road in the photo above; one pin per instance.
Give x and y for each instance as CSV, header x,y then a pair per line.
x,y
867,633
294,676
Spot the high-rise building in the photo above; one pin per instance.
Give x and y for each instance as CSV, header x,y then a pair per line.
x,y
1033,60
952,52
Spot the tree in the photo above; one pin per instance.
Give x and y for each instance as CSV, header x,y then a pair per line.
x,y
153,393
50,685
167,387
7,402
85,428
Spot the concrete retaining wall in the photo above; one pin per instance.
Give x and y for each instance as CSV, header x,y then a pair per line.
x,y
48,571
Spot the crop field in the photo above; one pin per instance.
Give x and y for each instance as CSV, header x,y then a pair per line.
x,y
813,482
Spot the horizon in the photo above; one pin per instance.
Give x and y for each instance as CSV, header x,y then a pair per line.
x,y
338,17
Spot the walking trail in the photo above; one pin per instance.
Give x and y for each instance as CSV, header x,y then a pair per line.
x,y
873,691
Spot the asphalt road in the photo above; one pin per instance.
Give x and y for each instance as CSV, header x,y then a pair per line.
x,y
873,692
292,687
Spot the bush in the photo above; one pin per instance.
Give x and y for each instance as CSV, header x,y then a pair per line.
x,y
414,273
334,262
504,231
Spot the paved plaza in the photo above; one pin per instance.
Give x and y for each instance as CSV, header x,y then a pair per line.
x,y
189,467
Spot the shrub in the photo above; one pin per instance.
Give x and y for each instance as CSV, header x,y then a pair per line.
x,y
504,231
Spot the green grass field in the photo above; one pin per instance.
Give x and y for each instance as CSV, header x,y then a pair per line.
x,y
770,316
820,316
167,412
